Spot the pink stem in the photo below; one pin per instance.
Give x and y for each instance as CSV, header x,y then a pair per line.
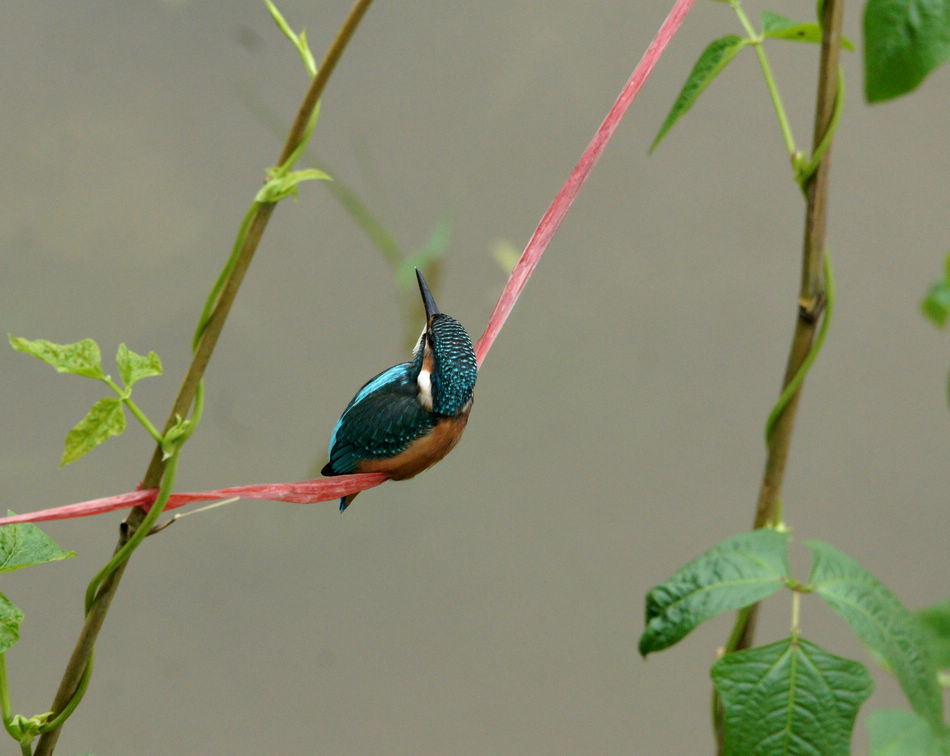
x,y
562,202
326,489
305,492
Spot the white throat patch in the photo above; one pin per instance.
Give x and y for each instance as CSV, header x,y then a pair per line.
x,y
425,389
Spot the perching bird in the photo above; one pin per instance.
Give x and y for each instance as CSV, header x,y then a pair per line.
x,y
410,416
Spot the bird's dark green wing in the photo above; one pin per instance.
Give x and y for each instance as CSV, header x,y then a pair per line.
x,y
380,423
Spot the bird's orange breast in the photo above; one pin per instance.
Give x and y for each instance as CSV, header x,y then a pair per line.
x,y
422,453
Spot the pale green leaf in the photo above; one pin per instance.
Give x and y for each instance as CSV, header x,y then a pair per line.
x,y
882,623
104,420
735,573
24,544
134,367
10,619
895,732
790,697
81,358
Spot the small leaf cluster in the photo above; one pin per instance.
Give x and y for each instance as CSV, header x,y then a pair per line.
x,y
106,418
792,696
904,40
720,52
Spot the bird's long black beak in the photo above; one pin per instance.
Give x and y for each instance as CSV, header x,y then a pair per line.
x,y
431,307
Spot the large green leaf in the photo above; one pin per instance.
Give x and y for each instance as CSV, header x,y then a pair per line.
x,y
81,358
882,623
23,545
735,573
10,619
714,58
134,367
902,733
104,420
904,40
790,697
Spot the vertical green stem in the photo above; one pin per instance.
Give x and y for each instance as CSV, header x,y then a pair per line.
x,y
811,301
6,710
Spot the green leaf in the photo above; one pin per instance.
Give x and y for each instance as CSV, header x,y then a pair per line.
x,y
134,367
936,622
904,40
176,435
10,619
735,573
81,358
936,305
23,545
895,732
775,26
104,420
299,42
714,58
790,697
282,185
882,623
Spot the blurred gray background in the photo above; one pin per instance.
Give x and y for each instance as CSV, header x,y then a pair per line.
x,y
493,604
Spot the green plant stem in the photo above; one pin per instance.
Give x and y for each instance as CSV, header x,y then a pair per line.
x,y
6,710
811,301
756,39
776,100
133,408
140,416
77,667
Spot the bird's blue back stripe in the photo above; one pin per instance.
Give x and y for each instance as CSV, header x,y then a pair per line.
x,y
387,376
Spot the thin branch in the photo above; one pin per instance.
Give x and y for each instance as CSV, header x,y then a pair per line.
x,y
551,220
82,653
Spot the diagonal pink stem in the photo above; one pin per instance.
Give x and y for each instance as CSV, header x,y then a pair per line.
x,y
327,489
562,202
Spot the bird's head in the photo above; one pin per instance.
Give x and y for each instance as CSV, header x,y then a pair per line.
x,y
445,360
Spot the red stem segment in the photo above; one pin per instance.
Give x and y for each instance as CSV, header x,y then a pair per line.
x,y
562,202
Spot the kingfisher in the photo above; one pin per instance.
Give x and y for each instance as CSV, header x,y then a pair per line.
x,y
410,416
